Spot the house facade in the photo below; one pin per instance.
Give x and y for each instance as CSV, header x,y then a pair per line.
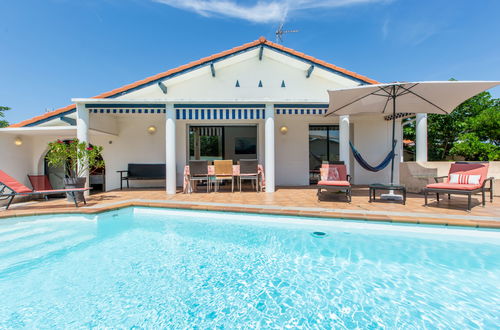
x,y
260,100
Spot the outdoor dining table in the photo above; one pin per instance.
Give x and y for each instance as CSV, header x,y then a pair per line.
x,y
211,172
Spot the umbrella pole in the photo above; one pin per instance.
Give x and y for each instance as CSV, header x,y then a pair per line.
x,y
393,130
391,195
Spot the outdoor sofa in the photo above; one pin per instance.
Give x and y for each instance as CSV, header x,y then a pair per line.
x,y
142,172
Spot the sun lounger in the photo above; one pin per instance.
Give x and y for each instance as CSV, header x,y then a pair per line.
x,y
10,188
334,177
464,178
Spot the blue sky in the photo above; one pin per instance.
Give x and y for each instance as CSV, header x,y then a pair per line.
x,y
53,50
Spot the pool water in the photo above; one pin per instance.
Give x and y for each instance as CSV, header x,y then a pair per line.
x,y
154,268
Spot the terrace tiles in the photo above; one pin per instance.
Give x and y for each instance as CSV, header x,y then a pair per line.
x,y
285,201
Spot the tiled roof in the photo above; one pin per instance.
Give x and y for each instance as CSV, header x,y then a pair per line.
x,y
260,41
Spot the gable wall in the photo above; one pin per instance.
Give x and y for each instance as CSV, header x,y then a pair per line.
x,y
199,85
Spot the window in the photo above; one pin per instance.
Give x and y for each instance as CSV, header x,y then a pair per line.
x,y
222,142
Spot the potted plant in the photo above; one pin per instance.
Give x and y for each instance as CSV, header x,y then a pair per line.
x,y
77,158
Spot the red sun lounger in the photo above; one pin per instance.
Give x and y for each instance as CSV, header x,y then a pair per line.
x,y
464,178
10,188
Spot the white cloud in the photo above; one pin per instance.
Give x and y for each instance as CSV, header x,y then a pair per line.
x,y
385,28
262,11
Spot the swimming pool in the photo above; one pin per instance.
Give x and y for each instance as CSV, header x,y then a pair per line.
x,y
145,267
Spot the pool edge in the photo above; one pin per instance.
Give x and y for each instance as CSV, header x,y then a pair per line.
x,y
491,224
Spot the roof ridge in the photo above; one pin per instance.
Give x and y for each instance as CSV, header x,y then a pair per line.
x,y
260,41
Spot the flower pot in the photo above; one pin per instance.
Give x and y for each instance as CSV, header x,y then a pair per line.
x,y
72,183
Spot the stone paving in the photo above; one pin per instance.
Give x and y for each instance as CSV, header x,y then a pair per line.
x,y
288,201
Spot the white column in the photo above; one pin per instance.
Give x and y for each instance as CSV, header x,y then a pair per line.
x,y
170,150
421,132
82,134
269,149
344,141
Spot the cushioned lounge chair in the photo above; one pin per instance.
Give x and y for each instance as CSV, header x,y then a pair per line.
x,y
10,188
334,177
464,178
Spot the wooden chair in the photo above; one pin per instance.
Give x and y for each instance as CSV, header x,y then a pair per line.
x,y
223,171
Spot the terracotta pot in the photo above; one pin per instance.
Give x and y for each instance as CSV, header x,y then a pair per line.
x,y
71,183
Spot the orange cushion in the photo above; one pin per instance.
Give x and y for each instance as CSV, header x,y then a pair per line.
x,y
455,186
334,183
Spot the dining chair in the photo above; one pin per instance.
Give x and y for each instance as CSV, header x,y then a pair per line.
x,y
198,171
249,170
223,172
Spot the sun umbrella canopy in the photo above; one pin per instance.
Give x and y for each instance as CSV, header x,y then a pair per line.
x,y
440,97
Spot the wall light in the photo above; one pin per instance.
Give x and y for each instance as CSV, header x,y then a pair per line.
x,y
152,129
283,130
18,142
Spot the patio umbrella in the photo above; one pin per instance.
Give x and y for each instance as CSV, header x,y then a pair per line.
x,y
440,97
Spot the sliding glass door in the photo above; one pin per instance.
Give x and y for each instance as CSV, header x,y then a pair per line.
x,y
323,147
222,142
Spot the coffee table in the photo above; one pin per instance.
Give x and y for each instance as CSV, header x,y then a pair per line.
x,y
380,186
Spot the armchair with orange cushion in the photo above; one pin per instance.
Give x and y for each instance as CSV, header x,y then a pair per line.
x,y
464,178
334,177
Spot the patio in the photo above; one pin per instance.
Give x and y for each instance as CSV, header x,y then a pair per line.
x,y
285,201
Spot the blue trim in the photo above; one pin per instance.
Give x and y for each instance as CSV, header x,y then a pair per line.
x,y
219,105
67,120
310,71
130,106
59,115
163,87
212,69
305,106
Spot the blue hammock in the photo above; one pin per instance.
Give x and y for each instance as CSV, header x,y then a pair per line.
x,y
366,166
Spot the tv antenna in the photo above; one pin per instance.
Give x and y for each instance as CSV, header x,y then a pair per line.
x,y
280,33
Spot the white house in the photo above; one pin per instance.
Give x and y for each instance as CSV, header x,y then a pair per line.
x,y
259,100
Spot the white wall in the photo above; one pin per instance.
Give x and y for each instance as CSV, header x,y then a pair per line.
x,y
133,145
16,161
372,138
